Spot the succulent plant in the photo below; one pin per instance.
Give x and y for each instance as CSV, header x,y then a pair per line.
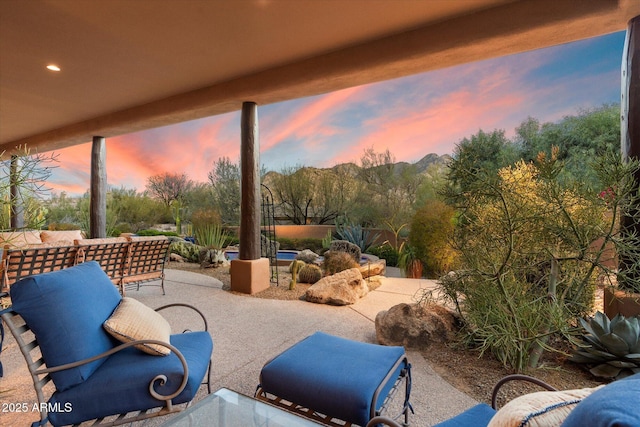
x,y
187,250
348,247
611,347
357,235
297,265
310,273
337,261
294,267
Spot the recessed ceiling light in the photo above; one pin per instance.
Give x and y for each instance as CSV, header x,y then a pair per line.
x,y
53,67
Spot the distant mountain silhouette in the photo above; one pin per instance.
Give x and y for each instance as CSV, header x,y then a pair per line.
x,y
351,169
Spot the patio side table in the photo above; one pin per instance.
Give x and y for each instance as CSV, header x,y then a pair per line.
x,y
226,408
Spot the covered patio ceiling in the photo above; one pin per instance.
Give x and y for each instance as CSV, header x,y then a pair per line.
x,y
130,65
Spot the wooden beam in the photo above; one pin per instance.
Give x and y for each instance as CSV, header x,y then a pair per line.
x,y
630,114
98,190
250,183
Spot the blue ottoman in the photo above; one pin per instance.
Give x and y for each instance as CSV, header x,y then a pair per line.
x,y
339,378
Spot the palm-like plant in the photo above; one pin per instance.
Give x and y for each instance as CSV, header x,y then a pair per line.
x,y
211,236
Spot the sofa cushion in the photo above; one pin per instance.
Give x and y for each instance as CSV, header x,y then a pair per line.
x,y
121,384
66,310
612,405
539,409
18,239
48,236
133,321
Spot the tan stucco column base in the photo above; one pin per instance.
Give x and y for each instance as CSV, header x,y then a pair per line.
x,y
250,276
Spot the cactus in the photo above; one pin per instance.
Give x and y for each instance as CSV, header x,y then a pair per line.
x,y
298,264
337,261
186,250
294,267
612,346
348,247
310,273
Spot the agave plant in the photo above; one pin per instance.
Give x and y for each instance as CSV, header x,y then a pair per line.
x,y
356,234
611,346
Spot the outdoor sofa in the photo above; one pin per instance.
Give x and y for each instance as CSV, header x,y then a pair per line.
x,y
128,261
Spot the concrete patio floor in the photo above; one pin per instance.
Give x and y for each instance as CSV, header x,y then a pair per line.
x,y
247,332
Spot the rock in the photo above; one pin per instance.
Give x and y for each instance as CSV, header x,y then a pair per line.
x,y
175,258
341,288
374,282
308,256
213,258
373,268
415,326
268,246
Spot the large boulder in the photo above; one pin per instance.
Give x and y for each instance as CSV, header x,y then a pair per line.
x,y
342,288
416,326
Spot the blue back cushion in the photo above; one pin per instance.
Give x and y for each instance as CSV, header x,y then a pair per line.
x,y
65,310
616,404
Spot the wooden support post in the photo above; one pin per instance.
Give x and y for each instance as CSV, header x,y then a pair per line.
x,y
630,112
250,273
98,191
16,202
250,184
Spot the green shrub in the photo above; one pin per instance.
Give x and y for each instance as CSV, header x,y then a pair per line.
x,y
62,226
430,236
528,261
123,227
152,232
386,252
300,244
202,217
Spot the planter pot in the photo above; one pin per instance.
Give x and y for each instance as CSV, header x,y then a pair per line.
x,y
620,302
414,270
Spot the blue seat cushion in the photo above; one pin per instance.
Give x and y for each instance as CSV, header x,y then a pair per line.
x,y
476,416
65,309
335,376
121,384
614,405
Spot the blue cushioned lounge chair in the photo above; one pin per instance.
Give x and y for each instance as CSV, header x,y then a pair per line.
x,y
57,320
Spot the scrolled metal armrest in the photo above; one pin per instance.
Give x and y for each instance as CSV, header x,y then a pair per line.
x,y
204,319
517,377
160,377
382,420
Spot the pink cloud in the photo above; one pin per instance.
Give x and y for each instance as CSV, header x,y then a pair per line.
x,y
311,120
412,133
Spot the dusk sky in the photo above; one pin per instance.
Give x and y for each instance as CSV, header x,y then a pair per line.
x,y
412,116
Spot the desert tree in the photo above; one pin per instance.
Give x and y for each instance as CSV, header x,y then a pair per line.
x,y
171,190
